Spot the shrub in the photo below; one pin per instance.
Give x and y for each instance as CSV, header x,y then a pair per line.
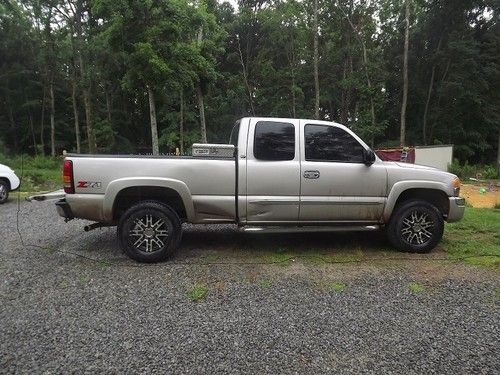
x,y
487,172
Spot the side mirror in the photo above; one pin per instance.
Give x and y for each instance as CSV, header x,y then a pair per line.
x,y
368,157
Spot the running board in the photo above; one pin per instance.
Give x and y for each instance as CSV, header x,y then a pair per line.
x,y
291,229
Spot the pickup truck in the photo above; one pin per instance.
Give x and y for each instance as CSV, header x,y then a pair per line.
x,y
276,174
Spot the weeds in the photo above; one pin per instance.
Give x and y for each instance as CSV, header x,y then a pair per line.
x,y
416,288
198,292
266,284
336,287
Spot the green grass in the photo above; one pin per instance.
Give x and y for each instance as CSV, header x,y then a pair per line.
x,y
210,258
266,284
475,239
198,292
336,287
416,288
37,173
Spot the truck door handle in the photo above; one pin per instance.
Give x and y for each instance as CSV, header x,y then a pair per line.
x,y
311,174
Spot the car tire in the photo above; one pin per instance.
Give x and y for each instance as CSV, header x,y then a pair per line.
x,y
4,192
415,226
149,232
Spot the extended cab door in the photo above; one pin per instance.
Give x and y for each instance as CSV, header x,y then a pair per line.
x,y
273,171
336,185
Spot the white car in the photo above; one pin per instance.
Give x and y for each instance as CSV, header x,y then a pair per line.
x,y
8,182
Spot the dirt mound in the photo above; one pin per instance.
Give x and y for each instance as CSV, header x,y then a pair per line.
x,y
481,195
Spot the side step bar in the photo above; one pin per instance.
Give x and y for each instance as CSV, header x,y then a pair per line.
x,y
308,229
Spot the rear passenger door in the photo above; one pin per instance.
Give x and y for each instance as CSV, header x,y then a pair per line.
x,y
273,171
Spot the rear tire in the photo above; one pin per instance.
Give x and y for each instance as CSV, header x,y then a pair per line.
x,y
149,232
4,192
416,226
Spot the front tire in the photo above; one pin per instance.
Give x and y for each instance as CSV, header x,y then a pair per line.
x,y
4,192
149,232
416,226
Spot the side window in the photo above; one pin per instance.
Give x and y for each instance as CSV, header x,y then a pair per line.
x,y
274,141
329,143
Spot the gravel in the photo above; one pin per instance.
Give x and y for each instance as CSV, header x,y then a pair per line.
x,y
71,302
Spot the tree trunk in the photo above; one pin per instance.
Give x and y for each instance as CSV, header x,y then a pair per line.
x,y
75,116
52,120
294,100
108,103
344,95
42,120
245,77
87,102
86,87
201,101
316,62
201,106
181,122
429,93
361,41
13,126
32,130
402,138
154,127
438,101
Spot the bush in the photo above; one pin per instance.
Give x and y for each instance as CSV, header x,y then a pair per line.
x,y
38,173
486,172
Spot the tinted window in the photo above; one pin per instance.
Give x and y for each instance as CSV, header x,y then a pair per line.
x,y
274,141
329,143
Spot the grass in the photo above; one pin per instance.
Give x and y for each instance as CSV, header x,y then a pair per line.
x,y
336,287
416,288
266,284
198,292
475,239
38,173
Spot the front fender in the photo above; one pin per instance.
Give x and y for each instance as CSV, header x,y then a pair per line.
x,y
118,185
399,187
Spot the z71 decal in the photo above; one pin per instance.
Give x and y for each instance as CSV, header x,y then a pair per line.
x,y
88,184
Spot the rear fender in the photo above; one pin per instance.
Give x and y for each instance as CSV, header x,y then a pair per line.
x,y
116,186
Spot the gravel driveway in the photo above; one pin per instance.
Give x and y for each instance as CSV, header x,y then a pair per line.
x,y
76,304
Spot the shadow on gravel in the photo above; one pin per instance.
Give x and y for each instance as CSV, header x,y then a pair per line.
x,y
335,246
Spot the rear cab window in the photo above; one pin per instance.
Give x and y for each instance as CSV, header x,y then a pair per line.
x,y
274,141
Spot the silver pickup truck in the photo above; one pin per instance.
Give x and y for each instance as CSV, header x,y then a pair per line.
x,y
276,174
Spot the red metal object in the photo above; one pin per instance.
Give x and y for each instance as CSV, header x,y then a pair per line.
x,y
406,155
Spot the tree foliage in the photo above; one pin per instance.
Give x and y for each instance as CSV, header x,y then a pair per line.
x,y
97,69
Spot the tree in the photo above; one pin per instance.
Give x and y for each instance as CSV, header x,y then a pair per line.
x,y
402,138
316,61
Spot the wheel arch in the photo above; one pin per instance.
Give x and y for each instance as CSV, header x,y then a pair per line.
x,y
434,193
123,193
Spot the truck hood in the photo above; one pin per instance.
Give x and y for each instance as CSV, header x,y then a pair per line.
x,y
415,166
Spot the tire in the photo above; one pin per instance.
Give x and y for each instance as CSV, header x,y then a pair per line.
x,y
4,192
149,232
415,226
